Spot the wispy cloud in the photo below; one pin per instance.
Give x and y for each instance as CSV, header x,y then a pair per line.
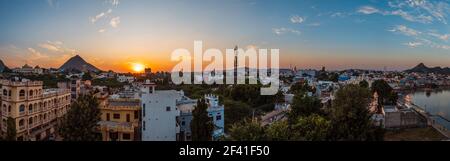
x,y
102,30
367,10
115,22
36,55
443,37
282,30
56,46
405,30
101,15
114,3
427,10
413,44
295,19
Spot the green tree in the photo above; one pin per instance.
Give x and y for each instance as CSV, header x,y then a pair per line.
x,y
349,114
81,122
247,130
386,94
300,87
87,76
235,112
201,125
364,84
311,128
11,129
278,131
303,105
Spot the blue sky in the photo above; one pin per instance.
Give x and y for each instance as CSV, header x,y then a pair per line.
x,y
337,34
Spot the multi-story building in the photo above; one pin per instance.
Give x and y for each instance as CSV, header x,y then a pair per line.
x,y
215,113
35,110
120,119
74,85
159,113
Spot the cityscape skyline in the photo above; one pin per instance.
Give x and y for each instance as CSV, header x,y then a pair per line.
x,y
117,35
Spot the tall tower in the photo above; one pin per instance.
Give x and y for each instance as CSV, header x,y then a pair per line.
x,y
236,58
235,63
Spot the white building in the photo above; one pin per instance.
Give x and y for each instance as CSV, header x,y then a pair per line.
x,y
159,113
26,69
123,78
215,111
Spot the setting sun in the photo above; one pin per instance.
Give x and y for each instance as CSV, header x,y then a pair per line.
x,y
138,67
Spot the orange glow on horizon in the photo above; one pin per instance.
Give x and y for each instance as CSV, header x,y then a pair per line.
x,y
138,67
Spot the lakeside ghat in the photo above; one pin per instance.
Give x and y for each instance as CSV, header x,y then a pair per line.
x,y
434,105
435,102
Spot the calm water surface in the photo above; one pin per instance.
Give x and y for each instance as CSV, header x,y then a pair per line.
x,y
435,102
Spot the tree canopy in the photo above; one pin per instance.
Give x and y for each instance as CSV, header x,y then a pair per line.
x,y
81,121
201,125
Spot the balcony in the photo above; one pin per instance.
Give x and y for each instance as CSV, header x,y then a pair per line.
x,y
116,126
21,128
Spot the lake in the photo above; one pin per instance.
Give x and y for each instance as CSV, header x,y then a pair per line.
x,y
435,102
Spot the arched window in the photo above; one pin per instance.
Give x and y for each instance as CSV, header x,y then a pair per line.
x,y
31,93
30,108
9,93
4,108
22,108
36,92
22,93
21,122
9,108
5,92
30,121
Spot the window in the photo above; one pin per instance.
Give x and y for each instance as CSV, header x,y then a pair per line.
x,y
116,116
183,123
22,93
126,136
143,110
31,93
21,123
30,121
143,125
136,114
218,117
128,118
5,92
168,108
9,93
107,117
30,108
22,108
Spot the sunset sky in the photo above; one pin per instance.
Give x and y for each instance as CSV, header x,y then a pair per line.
x,y
337,34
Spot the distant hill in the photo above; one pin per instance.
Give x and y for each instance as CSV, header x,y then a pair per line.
x,y
3,67
77,63
422,68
